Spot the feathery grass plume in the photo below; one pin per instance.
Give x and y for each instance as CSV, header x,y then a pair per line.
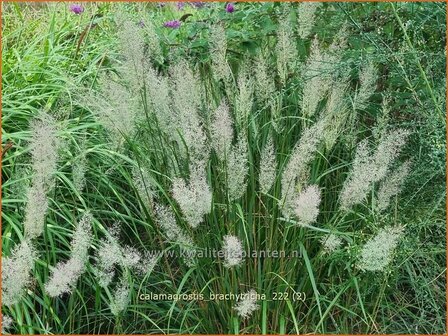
x,y
316,81
114,107
368,168
367,79
186,97
79,169
331,243
336,113
247,305
44,146
120,300
244,100
391,186
377,253
147,263
167,221
16,272
296,171
194,196
35,210
264,80
237,169
7,322
307,205
268,166
306,14
143,183
66,274
132,45
286,48
382,119
233,251
222,131
154,49
389,148
218,50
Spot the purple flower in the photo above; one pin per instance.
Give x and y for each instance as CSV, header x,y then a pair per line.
x,y
172,24
197,4
76,8
180,5
230,8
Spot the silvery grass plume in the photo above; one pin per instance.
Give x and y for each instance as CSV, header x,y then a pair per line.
x,y
377,253
167,221
391,186
44,146
382,120
264,79
144,184
307,205
268,166
331,243
194,196
237,169
336,113
65,275
79,169
186,97
16,272
244,100
221,131
316,82
154,49
295,175
121,298
114,107
35,210
233,251
218,51
111,255
367,85
369,168
306,15
7,322
247,305
132,46
286,48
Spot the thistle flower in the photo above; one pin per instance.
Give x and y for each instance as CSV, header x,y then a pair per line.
x,y
7,322
66,274
194,196
16,272
237,169
391,185
296,171
222,131
246,306
268,166
307,205
76,8
331,243
286,48
377,253
172,24
120,299
306,17
233,251
230,7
